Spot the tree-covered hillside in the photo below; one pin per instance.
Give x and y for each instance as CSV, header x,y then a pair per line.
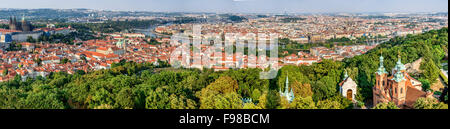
x,y
144,86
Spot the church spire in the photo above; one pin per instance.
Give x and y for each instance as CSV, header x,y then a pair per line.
x,y
288,93
381,59
381,70
398,75
399,66
286,89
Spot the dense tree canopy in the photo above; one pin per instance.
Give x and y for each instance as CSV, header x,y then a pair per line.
x,y
389,105
429,103
129,85
221,94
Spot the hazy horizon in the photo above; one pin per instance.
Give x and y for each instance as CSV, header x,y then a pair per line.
x,y
239,6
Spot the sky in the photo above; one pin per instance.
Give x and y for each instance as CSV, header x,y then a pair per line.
x,y
240,6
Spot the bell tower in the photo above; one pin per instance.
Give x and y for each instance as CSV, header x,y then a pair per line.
x,y
398,89
381,82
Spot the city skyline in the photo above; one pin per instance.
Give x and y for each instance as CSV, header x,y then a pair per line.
x,y
241,6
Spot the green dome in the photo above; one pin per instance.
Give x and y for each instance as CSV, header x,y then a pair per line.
x,y
381,69
400,66
398,77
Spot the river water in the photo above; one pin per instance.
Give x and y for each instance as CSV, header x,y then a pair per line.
x,y
150,30
147,32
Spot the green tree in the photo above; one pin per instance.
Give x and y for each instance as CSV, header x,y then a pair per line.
x,y
262,101
425,84
430,70
302,90
328,104
125,98
388,105
256,94
221,94
31,39
303,103
101,97
43,100
64,61
325,88
228,101
38,61
158,99
5,72
273,100
181,102
429,103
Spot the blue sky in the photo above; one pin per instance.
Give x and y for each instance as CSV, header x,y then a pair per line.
x,y
239,6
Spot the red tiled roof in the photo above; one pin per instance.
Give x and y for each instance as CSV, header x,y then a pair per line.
x,y
412,94
8,31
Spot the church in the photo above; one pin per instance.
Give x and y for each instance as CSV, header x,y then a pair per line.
x,y
348,88
399,88
23,26
289,95
20,31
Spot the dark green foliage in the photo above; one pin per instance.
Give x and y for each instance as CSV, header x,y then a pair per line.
x,y
31,39
273,100
4,26
425,84
68,38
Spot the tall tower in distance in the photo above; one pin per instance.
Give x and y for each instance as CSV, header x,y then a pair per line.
x,y
25,26
13,24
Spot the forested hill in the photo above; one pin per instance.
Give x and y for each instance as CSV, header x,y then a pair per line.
x,y
431,45
143,86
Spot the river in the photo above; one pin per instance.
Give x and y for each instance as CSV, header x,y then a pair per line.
x,y
150,30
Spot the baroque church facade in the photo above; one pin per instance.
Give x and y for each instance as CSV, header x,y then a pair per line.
x,y
399,88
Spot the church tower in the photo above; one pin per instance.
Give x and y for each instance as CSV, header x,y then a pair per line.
x,y
381,83
289,95
394,88
25,26
398,89
12,23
